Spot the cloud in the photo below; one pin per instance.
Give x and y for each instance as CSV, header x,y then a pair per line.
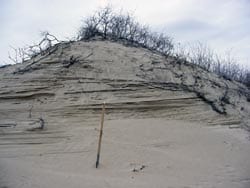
x,y
223,24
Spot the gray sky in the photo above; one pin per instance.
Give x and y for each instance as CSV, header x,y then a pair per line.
x,y
222,24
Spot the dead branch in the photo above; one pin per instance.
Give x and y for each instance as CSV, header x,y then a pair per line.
x,y
44,46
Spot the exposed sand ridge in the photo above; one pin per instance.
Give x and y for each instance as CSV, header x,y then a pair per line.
x,y
167,123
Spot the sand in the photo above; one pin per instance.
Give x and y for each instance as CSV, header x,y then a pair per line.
x,y
168,123
135,153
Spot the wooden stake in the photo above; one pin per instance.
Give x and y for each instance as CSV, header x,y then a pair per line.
x,y
100,136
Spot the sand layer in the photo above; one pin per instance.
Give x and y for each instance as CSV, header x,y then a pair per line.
x,y
135,153
168,123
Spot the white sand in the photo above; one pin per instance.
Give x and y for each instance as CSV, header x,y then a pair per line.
x,y
194,152
170,153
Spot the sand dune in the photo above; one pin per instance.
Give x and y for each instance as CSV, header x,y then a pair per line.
x,y
167,123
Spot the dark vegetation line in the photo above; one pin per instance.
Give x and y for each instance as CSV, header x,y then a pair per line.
x,y
106,24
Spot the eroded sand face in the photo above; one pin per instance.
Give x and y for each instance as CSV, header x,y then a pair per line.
x,y
135,153
163,124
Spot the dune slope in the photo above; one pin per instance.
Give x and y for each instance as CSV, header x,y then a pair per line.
x,y
167,123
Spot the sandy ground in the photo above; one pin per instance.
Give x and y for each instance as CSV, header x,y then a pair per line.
x,y
135,153
140,148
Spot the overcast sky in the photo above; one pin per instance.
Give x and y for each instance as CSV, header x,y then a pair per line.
x,y
222,24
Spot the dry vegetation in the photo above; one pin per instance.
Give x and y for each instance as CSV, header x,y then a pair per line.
x,y
106,24
203,56
20,55
118,26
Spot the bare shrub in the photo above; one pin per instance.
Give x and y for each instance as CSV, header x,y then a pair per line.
x,y
247,79
118,26
196,53
20,55
225,66
229,68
